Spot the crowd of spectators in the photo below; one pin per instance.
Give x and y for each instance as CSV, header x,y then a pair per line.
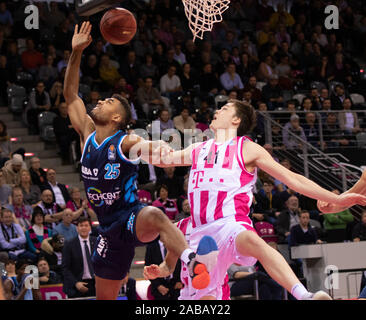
x,y
168,77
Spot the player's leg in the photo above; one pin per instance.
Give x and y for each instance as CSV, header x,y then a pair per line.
x,y
250,244
152,222
107,289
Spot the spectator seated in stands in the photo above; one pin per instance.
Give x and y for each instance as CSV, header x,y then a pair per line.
x,y
188,79
311,129
170,85
9,279
290,141
12,238
90,71
174,182
209,84
165,120
348,119
251,86
39,101
11,170
37,232
64,61
241,282
32,59
203,115
47,276
303,233
80,207
186,211
31,192
359,230
38,175
56,96
5,144
5,190
287,219
65,134
163,288
79,278
272,93
230,80
51,250
21,210
338,96
332,133
267,203
66,228
149,69
60,194
107,72
184,121
169,205
265,70
51,210
300,234
149,98
335,224
48,72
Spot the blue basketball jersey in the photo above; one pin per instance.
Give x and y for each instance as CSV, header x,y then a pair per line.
x,y
109,177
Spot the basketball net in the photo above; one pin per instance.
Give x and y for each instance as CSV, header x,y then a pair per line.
x,y
202,14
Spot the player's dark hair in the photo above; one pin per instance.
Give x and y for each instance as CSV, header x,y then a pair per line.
x,y
127,110
246,114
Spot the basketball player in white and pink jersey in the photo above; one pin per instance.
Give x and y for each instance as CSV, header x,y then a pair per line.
x,y
224,171
185,225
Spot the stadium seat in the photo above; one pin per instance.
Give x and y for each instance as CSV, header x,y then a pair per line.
x,y
166,102
361,139
260,85
17,96
299,97
144,196
220,100
317,84
357,98
45,124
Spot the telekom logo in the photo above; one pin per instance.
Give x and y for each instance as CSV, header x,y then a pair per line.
x,y
196,178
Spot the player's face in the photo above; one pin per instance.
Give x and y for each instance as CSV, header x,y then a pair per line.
x,y
104,111
224,117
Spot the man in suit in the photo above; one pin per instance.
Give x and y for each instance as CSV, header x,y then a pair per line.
x,y
79,280
163,288
60,193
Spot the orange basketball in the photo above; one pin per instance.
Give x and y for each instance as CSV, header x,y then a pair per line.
x,y
118,26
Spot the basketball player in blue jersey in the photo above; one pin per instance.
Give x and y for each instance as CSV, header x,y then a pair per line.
x,y
110,176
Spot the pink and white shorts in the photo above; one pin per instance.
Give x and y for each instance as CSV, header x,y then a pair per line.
x,y
224,231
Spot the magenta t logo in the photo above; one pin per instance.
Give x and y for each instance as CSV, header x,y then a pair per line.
x,y
196,178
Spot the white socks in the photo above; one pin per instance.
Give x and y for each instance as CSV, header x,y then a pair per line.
x,y
300,292
185,255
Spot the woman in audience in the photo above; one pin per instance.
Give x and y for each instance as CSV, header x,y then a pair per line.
x,y
169,205
79,206
31,192
56,96
37,232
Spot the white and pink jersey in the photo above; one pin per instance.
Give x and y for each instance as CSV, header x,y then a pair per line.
x,y
219,184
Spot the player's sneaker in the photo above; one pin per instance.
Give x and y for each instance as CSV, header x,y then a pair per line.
x,y
319,295
202,262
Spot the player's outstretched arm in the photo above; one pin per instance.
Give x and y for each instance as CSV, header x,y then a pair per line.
x,y
255,154
359,187
158,153
80,121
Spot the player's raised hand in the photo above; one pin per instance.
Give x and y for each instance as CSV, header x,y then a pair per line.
x,y
152,272
82,37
